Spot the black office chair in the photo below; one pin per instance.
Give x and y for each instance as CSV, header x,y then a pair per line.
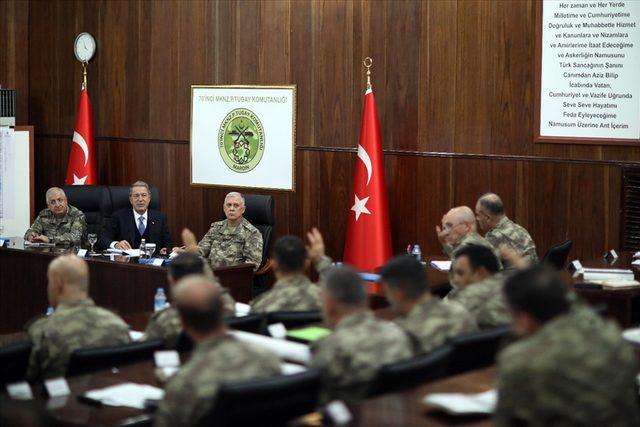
x,y
87,360
259,212
478,349
14,359
120,198
294,319
93,200
266,402
556,256
412,372
250,323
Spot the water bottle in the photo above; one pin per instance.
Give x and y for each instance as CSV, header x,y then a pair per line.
x,y
143,249
416,252
159,300
50,311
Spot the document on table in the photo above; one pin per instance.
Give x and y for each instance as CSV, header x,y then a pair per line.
x,y
130,252
242,309
462,404
131,395
441,265
288,350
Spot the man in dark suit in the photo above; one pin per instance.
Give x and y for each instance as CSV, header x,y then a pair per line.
x,y
128,226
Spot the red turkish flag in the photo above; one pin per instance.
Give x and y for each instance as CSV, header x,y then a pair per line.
x,y
82,160
368,243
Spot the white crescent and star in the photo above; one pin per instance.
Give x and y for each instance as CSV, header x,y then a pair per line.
x,y
78,139
360,205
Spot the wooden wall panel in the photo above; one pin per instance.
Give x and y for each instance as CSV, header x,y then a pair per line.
x,y
14,54
453,84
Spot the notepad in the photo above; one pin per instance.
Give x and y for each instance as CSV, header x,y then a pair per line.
x,y
311,333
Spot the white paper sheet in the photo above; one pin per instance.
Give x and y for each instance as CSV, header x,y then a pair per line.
x,y
460,403
288,350
131,395
441,265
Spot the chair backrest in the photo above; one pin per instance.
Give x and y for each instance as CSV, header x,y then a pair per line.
x,y
120,198
476,350
250,323
294,319
268,401
259,212
14,359
93,359
556,256
93,200
412,372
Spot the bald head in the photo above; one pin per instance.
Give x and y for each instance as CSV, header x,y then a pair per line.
x,y
72,271
68,279
199,303
456,224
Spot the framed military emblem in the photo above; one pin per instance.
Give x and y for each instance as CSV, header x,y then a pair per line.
x,y
243,136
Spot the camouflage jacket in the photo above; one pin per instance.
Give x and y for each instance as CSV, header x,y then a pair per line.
x,y
216,361
568,373
74,325
167,324
351,356
431,322
295,293
224,245
507,232
484,300
72,227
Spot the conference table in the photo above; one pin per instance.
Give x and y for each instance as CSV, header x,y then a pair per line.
x,y
623,305
402,408
116,282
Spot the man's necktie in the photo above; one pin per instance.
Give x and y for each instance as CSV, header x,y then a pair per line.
x,y
141,226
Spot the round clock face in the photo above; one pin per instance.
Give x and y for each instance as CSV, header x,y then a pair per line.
x,y
84,47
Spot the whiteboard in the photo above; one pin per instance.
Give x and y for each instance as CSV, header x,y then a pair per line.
x,y
16,180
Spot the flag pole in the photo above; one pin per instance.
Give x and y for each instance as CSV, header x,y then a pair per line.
x,y
368,62
84,76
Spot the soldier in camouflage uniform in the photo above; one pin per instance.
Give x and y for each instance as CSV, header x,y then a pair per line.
x,y
293,291
500,230
76,323
478,286
59,222
166,323
564,371
429,322
231,241
360,344
218,358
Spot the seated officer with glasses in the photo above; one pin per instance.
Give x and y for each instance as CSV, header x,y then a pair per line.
x,y
129,226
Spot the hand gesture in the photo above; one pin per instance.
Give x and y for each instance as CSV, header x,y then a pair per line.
x,y
315,248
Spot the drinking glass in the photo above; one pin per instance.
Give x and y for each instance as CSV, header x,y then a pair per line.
x,y
92,238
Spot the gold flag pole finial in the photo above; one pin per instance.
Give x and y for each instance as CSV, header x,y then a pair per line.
x,y
368,62
84,76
